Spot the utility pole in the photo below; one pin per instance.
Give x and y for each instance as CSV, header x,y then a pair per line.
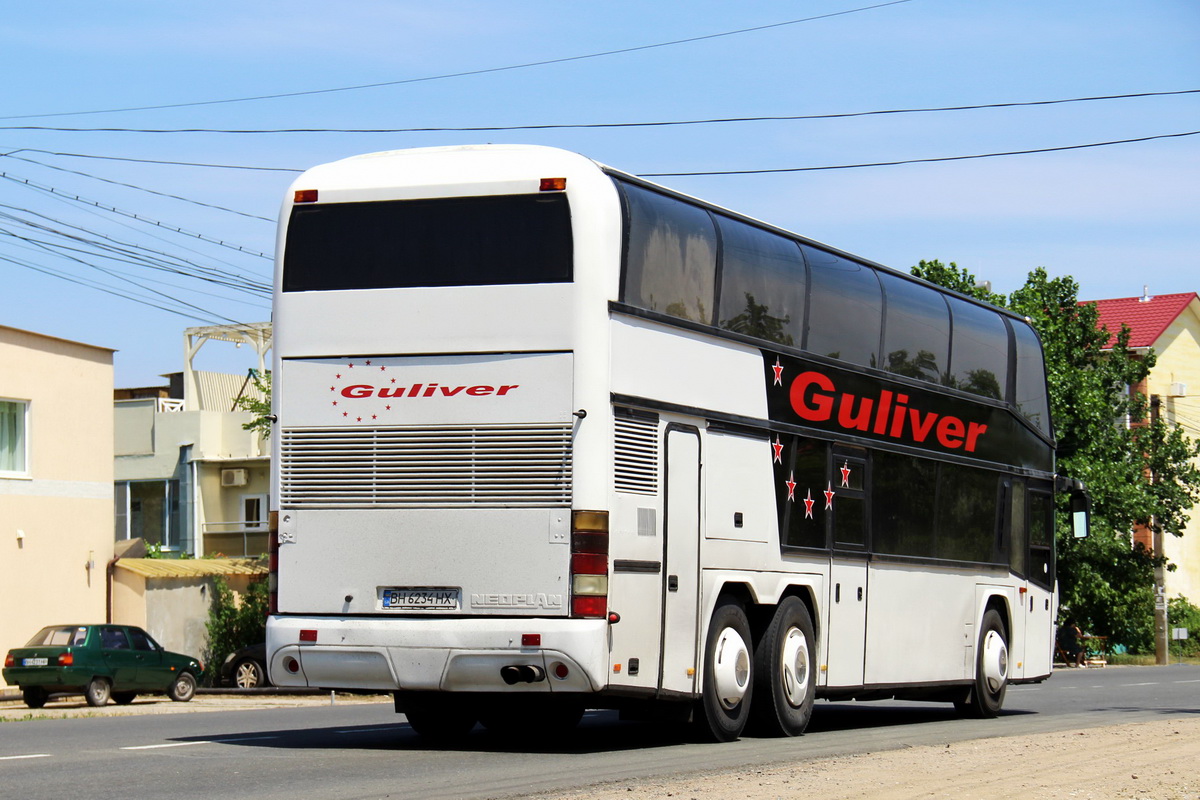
x,y
1162,653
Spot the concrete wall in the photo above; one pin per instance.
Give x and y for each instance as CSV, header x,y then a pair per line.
x,y
58,519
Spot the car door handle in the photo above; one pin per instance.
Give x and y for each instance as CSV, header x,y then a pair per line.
x,y
672,583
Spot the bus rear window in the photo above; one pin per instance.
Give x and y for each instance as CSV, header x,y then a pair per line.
x,y
459,241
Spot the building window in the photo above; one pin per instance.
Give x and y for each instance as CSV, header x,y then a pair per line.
x,y
150,510
14,439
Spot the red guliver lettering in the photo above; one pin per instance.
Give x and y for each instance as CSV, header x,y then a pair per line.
x,y
814,397
422,390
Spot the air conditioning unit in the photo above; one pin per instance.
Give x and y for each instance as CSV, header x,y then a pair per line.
x,y
233,477
1178,390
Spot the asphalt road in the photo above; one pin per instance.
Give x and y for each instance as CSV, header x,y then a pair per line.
x,y
365,750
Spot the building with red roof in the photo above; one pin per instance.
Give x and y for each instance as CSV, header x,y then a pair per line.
x,y
1168,324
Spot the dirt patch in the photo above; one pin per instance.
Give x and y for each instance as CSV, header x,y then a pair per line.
x,y
1144,761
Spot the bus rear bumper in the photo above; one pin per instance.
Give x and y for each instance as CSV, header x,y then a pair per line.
x,y
475,655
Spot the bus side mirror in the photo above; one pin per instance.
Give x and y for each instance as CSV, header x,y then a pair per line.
x,y
1081,514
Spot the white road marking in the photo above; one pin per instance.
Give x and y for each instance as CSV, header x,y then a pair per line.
x,y
204,741
1152,683
31,755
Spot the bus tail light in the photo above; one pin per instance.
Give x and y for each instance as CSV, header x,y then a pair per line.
x,y
552,185
589,564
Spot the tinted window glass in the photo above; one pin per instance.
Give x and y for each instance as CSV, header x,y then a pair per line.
x,y
459,241
802,474
1041,539
1031,396
141,640
113,639
1019,538
846,308
849,501
916,332
979,352
671,261
967,514
903,493
762,284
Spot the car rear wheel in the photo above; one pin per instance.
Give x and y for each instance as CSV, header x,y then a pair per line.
x,y
183,689
123,698
97,692
35,696
249,674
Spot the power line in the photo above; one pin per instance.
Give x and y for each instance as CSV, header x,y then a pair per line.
x,y
144,220
155,161
912,160
589,125
12,155
468,73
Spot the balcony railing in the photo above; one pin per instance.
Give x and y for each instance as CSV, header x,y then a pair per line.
x,y
244,538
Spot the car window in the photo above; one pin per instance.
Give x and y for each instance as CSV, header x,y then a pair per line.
x,y
141,640
113,639
79,637
58,636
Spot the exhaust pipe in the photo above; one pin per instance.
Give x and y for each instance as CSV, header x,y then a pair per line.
x,y
522,673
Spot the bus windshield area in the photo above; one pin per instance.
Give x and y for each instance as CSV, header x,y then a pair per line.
x,y
457,241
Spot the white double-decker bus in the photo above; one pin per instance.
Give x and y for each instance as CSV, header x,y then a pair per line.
x,y
550,437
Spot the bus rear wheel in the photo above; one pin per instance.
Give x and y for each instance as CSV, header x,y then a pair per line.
x,y
727,679
784,679
986,696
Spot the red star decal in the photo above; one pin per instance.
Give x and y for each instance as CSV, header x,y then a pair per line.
x,y
778,370
846,474
829,493
351,366
333,388
389,408
383,369
791,487
374,417
359,419
345,413
777,447
393,380
368,363
335,402
808,505
339,375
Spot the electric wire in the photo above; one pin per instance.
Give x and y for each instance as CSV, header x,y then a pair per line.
x,y
601,125
468,73
913,160
13,155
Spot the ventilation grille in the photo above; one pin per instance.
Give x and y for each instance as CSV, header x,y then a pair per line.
x,y
637,455
427,467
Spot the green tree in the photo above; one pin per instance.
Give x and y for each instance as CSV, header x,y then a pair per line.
x,y
233,623
1136,474
258,404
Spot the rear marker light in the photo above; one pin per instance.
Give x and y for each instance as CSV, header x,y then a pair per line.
x,y
561,671
531,640
589,564
306,196
552,185
308,636
291,665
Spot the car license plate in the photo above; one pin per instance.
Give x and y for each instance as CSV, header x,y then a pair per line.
x,y
34,662
402,597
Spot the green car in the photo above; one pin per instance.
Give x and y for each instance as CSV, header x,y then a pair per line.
x,y
99,661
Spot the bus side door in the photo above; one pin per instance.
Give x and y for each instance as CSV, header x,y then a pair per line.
x,y
681,561
846,498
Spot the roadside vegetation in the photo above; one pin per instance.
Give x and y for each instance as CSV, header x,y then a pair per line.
x,y
1105,580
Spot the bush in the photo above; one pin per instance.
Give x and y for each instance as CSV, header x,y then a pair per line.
x,y
233,625
1182,614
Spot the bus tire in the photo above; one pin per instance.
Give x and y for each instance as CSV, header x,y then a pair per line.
x,y
727,677
785,682
443,718
986,696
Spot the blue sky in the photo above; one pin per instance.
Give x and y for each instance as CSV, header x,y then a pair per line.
x,y
1115,218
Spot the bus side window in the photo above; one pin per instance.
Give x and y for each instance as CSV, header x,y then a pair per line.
x,y
845,310
763,284
917,330
904,489
1041,538
671,256
978,350
800,484
847,483
1019,538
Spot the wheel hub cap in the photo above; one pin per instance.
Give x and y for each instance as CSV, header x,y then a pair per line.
x,y
995,661
731,668
794,667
